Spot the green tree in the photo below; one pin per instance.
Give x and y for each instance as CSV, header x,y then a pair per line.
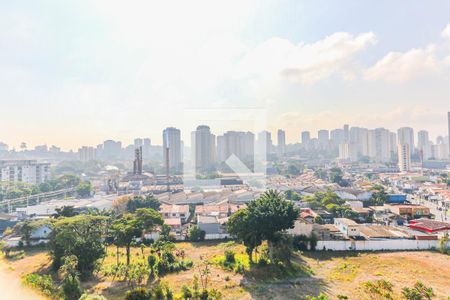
x,y
81,236
195,234
131,226
25,230
44,187
140,202
379,195
68,180
272,214
262,220
71,284
65,211
243,226
84,189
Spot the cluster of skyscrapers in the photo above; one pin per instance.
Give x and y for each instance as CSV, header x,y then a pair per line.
x,y
208,151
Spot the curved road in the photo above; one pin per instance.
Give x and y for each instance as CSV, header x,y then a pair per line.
x,y
12,288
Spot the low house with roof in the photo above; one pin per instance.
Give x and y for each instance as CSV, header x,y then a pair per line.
x,y
364,214
222,210
409,211
212,227
430,226
348,227
172,211
381,232
175,225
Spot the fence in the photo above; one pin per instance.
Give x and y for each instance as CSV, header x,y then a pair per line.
x,y
374,245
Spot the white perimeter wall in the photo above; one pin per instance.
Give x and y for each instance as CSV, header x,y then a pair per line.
x,y
378,245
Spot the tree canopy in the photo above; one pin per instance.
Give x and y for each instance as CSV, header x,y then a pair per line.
x,y
262,220
81,236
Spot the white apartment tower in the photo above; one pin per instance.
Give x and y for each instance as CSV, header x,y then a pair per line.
x,y
424,144
405,135
238,143
27,171
86,153
203,147
404,157
264,143
379,144
172,140
281,139
359,137
324,138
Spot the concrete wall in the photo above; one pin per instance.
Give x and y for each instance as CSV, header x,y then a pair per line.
x,y
378,245
217,236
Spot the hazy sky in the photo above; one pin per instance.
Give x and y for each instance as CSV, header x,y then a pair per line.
x,y
78,72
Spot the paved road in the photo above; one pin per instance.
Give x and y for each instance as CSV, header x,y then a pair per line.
x,y
12,288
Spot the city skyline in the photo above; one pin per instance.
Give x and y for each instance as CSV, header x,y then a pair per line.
x,y
117,71
419,139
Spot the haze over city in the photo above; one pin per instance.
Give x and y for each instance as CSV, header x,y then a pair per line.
x,y
224,150
107,71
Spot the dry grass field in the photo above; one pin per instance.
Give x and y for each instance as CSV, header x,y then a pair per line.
x,y
331,273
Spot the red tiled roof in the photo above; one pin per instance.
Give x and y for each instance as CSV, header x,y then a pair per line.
x,y
429,225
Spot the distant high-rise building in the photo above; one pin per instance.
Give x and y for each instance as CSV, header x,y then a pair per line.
x,y
337,137
441,149
306,137
324,138
146,148
87,153
405,135
111,149
404,157
424,144
379,144
346,133
348,151
138,142
264,142
359,137
172,140
25,171
281,139
393,144
204,147
238,143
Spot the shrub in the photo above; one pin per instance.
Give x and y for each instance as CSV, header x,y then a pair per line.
x,y
138,294
263,261
229,256
43,283
71,288
186,292
418,292
158,292
239,268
